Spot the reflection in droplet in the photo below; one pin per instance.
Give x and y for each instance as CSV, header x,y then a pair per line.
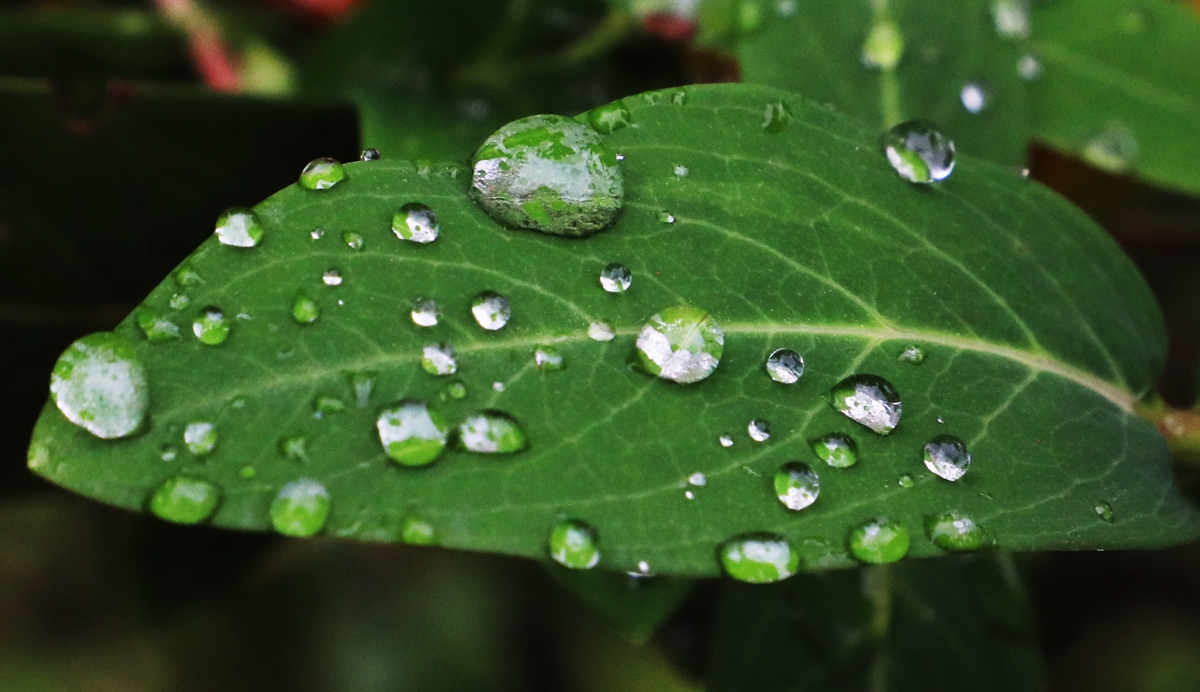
x,y
332,278
305,310
869,400
547,359
682,344
491,432
211,327
415,530
796,485
185,500
294,447
615,278
836,449
99,385
239,227
180,301
1103,510
1113,149
973,98
415,222
300,508
424,313
919,152
955,532
759,430
913,355
758,558
412,433
609,118
601,331
322,174
726,440
785,365
666,217
200,438
947,456
776,117
879,541
491,310
369,155
438,359
157,328
574,544
680,171
353,240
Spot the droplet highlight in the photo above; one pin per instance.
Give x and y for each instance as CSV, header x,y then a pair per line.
x,y
415,222
425,313
200,438
919,152
869,400
913,355
322,174
681,344
211,327
797,485
609,118
574,544
601,331
547,359
879,541
185,500
785,365
955,532
759,430
238,227
99,385
1113,149
836,449
157,328
491,310
438,359
491,432
300,508
616,278
332,278
776,117
947,456
758,558
973,98
305,310
412,434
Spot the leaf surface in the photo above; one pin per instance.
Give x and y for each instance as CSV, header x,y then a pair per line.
x,y
1038,333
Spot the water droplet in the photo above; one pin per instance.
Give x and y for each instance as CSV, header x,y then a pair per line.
x,y
679,98
689,495
294,447
616,278
574,544
758,558
547,359
785,365
168,453
498,386
415,222
1011,18
1029,68
601,331
973,98
726,440
836,449
187,277
760,430
955,532
776,117
457,390
325,405
332,278
666,217
155,326
548,173
300,508
316,234
869,400
247,472
211,327
906,481
883,47
200,438
609,118
913,355
412,433
796,485
438,359
353,240
879,541
417,530
238,227
322,174
369,155
947,456
681,171
180,301
697,479
492,432
1103,510
362,383
100,386
919,152
424,313
682,344
185,500
491,310
305,310
1113,149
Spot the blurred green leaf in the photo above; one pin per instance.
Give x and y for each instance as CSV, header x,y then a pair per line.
x,y
634,605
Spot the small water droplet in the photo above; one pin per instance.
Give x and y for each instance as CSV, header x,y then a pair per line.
x,y
491,432
643,570
879,541
973,98
415,222
168,453
946,456
200,438
438,359
601,331
425,313
412,433
99,385
913,355
300,508
294,447
836,449
353,240
689,495
247,472
776,117
457,390
548,173
869,400
919,152
326,405
679,98
416,530
1103,510
369,155
759,430
332,278
187,277
726,440
305,310
1113,149
785,365
180,301
666,217
157,328
609,118
906,481
758,558
1029,68
211,327
547,359
796,485
680,171
616,278
620,157
883,46
322,174
185,500
498,386
697,479
682,344
955,532
1011,18
239,227
574,544
491,310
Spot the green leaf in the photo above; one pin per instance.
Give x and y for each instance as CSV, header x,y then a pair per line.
x,y
1038,337
956,624
632,604
1123,71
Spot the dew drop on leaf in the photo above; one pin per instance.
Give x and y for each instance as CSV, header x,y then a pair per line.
x,y
238,227
666,217
1113,149
316,234
332,278
156,326
200,438
601,331
906,481
913,355
955,532
305,310
609,118
491,432
438,359
1011,18
300,508
973,97
879,541
547,359
947,456
776,117
353,240
796,485
616,278
211,327
680,171
425,313
457,390
417,530
836,449
785,365
180,301
491,310
100,386
697,479
168,453
759,430
1103,510
758,558
412,434
726,440
185,500
369,155
869,400
919,152
574,544
415,222
682,344
322,174
294,447
187,277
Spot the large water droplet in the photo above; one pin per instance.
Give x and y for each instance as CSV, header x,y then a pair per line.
x,y
491,310
238,227
682,344
609,118
415,222
200,438
211,327
796,485
759,430
547,359
438,359
305,310
1112,149
322,174
1011,18
758,558
616,278
869,400
601,331
973,98
776,117
416,530
332,277
785,365
491,432
353,240
100,386
425,313
919,152
574,544
947,456
955,532
412,434
879,541
883,47
548,173
300,508
156,326
836,449
185,500
1103,510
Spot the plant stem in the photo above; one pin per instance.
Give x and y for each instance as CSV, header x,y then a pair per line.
x,y
1181,427
877,585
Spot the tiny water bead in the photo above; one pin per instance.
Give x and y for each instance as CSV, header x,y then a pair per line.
x,y
547,359
883,46
1103,510
211,327
491,310
682,344
294,447
438,359
913,355
300,508
796,485
548,173
412,434
666,217
187,277
759,430
616,278
776,117
491,432
498,386
316,234
369,155
180,301
601,331
168,453
326,405
332,277
946,456
906,481
99,385
758,558
322,174
869,400
305,310
353,240
425,313
1113,149
609,118
836,449
785,365
1029,68
200,438
185,500
919,152
973,98
239,227
416,222
879,541
457,390
697,479
574,544
157,328
415,530
726,440
1011,18
955,532
681,171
